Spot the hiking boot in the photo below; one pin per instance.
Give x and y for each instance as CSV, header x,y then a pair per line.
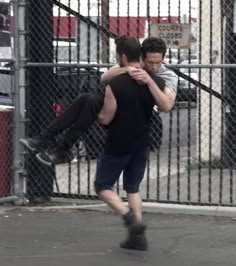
x,y
136,238
49,158
35,144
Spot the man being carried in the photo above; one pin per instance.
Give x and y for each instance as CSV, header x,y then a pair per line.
x,y
83,111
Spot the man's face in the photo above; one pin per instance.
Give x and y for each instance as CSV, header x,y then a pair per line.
x,y
152,62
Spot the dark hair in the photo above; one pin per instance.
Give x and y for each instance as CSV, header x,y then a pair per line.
x,y
153,45
129,46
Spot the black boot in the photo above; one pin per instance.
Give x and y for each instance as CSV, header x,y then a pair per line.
x,y
136,238
136,233
129,218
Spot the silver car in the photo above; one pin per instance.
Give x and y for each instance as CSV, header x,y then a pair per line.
x,y
186,90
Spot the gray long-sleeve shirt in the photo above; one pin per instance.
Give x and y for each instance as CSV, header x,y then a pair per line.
x,y
169,76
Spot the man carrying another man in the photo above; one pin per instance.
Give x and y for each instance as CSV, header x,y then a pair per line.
x,y
127,109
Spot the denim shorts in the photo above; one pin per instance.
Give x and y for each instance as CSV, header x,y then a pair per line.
x,y
110,167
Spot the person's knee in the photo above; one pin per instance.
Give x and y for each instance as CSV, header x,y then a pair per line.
x,y
96,102
82,98
131,186
99,187
131,189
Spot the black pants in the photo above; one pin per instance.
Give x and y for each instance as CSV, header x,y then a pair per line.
x,y
75,119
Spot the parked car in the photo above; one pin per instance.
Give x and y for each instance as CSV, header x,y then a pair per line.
x,y
171,58
5,100
186,90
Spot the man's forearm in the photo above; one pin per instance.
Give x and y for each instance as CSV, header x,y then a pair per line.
x,y
112,72
163,99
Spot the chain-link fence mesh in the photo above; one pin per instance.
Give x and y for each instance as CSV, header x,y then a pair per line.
x,y
196,158
6,94
6,147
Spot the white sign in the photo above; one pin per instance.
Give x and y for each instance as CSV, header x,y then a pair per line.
x,y
175,35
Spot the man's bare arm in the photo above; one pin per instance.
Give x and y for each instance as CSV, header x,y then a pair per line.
x,y
164,99
115,71
109,107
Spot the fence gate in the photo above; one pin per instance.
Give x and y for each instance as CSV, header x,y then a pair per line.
x,y
61,48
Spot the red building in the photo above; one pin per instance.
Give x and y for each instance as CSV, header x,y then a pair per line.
x,y
65,27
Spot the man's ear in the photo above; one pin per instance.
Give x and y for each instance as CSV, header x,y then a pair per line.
x,y
124,59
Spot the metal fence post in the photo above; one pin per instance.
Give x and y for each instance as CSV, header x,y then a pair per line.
x,y
230,80
41,84
19,95
105,37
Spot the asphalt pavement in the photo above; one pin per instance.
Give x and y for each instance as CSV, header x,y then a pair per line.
x,y
69,236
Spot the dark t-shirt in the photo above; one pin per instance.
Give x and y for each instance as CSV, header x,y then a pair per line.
x,y
129,130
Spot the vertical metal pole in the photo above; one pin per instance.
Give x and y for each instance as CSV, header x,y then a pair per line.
x,y
178,123
105,37
97,32
200,103
210,106
19,7
230,81
222,103
170,129
41,93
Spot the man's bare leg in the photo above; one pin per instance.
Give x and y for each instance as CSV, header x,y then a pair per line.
x,y
135,203
113,201
136,231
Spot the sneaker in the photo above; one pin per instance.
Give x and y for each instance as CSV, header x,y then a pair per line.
x,y
54,157
136,238
35,144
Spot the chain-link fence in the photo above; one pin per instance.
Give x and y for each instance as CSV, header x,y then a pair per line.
x,y
6,101
61,48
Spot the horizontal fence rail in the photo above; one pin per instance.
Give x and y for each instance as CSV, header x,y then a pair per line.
x,y
90,65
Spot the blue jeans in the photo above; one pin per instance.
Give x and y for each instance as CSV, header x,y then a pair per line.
x,y
110,167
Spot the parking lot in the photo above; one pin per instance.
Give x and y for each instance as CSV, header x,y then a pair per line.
x,y
76,237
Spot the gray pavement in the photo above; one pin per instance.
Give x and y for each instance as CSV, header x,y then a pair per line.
x,y
66,236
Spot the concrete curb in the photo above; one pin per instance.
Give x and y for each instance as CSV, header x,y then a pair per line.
x,y
192,210
175,209
147,208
